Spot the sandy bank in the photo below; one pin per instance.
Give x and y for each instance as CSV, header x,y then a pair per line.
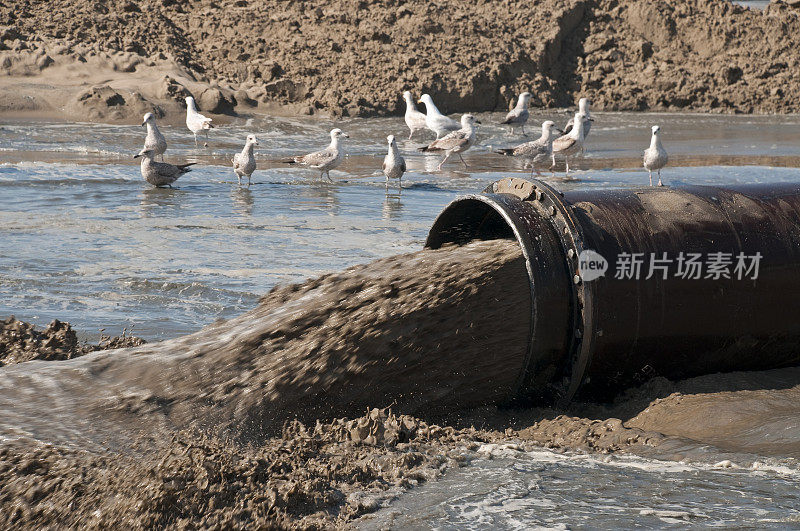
x,y
112,60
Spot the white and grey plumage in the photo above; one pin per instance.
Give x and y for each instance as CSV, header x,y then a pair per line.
x,y
571,143
154,141
326,159
455,142
160,173
244,163
415,120
655,157
519,114
537,152
583,106
195,121
394,165
435,120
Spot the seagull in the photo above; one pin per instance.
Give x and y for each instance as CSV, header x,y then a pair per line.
x,y
160,173
583,106
655,157
536,152
572,142
154,141
436,121
195,121
325,160
415,120
244,163
455,142
394,165
519,114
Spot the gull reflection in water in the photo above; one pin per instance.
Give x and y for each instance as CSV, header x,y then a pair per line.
x,y
242,200
155,199
392,203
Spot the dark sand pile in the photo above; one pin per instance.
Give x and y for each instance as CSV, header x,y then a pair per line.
x,y
119,58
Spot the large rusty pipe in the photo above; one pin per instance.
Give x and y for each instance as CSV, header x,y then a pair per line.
x,y
697,279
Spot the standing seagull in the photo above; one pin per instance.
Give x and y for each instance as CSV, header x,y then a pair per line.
x,y
394,165
572,142
160,173
244,163
655,157
415,120
538,152
195,121
436,121
583,106
154,141
519,114
455,142
325,160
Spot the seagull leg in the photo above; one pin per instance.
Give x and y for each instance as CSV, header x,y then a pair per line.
x,y
523,130
195,140
651,177
659,178
566,160
462,160
446,156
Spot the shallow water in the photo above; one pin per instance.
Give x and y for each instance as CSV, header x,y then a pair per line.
x,y
87,241
542,489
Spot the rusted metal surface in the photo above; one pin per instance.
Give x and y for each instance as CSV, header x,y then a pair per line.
x,y
596,336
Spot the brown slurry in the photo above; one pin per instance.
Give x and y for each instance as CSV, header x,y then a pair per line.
x,y
432,331
355,57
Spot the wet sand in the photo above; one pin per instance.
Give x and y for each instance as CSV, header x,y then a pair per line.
x,y
240,424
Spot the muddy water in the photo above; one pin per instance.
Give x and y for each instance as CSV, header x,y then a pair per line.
x,y
402,331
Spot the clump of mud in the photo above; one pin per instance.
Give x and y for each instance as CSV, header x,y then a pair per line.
x,y
306,478
20,342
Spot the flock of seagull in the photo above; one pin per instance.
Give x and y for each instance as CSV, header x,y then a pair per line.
x,y
452,138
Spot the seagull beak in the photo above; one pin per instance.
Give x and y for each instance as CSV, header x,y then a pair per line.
x,y
137,155
144,123
420,101
345,135
477,121
557,130
591,119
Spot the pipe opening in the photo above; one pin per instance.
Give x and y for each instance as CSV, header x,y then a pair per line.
x,y
466,220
